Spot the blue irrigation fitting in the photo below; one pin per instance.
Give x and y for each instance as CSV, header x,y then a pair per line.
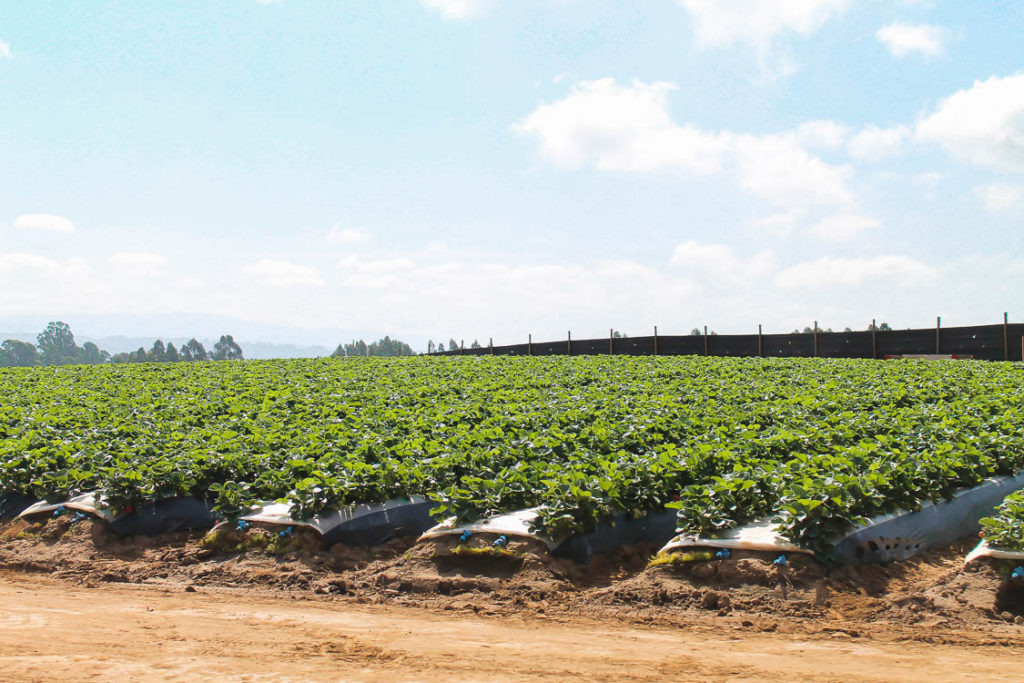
x,y
243,525
59,511
501,541
79,516
724,554
287,532
780,561
465,536
1017,574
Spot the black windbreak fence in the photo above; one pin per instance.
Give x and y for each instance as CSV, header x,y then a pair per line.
x,y
984,342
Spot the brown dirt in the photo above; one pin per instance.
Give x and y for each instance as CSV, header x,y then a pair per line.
x,y
512,615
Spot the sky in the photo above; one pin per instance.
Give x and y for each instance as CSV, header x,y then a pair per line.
x,y
495,168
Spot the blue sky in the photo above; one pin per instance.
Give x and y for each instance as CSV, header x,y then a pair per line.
x,y
475,168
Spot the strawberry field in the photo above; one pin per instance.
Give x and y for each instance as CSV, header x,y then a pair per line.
x,y
818,445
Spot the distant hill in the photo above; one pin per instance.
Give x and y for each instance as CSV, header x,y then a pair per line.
x,y
126,333
122,344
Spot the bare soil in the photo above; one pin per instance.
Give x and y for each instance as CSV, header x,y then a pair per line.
x,y
77,600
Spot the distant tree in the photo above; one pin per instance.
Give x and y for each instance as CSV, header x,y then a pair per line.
x,y
139,356
808,330
193,351
227,349
121,358
475,345
453,345
884,327
847,329
430,346
386,347
696,333
172,356
18,354
357,348
618,335
157,354
90,354
57,344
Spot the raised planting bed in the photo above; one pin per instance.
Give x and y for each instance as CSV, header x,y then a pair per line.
x,y
600,446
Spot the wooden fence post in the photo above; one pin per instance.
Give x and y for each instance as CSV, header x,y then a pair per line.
x,y
611,341
1006,338
874,339
655,340
705,340
529,345
815,333
760,342
492,345
569,343
938,328
462,347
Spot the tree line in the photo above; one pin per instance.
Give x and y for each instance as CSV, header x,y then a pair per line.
x,y
386,347
56,346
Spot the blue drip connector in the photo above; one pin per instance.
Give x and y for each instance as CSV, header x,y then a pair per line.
x,y
243,525
287,532
465,535
1017,574
79,516
780,561
59,511
723,554
501,541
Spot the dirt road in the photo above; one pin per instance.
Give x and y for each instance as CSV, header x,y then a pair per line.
x,y
53,630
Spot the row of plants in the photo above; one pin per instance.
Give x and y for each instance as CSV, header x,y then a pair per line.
x,y
818,444
1005,529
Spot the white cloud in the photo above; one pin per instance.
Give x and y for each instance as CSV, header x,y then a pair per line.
x,y
281,274
458,10
903,39
778,224
348,236
982,125
19,261
842,227
375,273
834,228
43,221
823,134
855,272
376,265
138,260
757,22
875,144
621,128
45,284
998,197
629,128
5,50
780,171
719,262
